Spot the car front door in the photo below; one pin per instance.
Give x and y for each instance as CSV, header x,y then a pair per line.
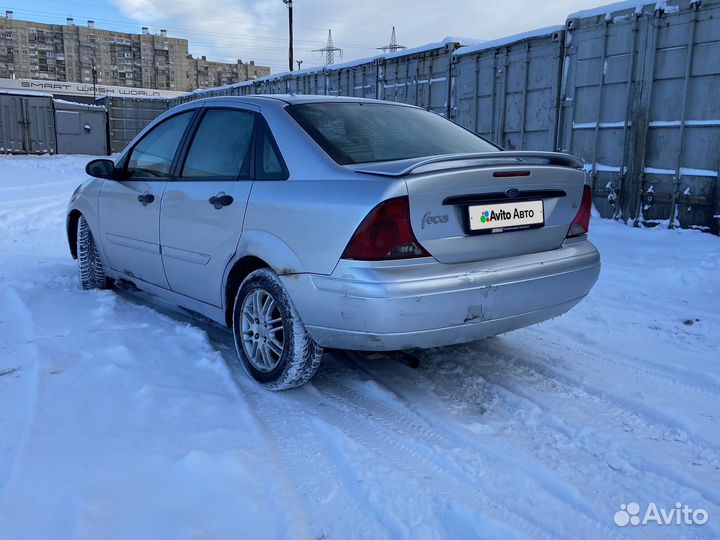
x,y
129,208
203,208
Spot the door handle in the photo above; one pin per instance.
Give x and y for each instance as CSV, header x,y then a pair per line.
x,y
220,200
146,198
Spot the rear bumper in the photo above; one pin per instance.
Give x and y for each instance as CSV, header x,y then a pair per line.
x,y
421,304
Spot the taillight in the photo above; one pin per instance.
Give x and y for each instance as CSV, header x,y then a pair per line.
x,y
581,223
385,234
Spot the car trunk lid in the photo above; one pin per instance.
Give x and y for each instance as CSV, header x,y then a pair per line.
x,y
444,191
446,208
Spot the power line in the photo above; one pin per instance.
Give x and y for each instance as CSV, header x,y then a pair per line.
x,y
330,49
192,3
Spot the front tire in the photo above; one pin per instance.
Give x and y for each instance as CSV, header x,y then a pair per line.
x,y
271,340
92,273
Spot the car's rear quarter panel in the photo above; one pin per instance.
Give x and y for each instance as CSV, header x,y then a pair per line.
x,y
315,219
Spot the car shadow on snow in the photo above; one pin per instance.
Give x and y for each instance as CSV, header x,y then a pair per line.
x,y
458,375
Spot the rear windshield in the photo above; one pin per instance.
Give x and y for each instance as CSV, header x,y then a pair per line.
x,y
365,132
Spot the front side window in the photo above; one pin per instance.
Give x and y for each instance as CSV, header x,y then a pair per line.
x,y
353,133
221,146
153,155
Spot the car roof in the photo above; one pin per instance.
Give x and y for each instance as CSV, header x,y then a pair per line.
x,y
296,99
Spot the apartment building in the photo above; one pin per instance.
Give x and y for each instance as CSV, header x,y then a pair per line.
x,y
80,53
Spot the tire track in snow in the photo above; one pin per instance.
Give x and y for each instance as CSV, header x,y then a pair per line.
x,y
34,218
385,415
595,443
529,377
39,187
27,356
405,460
294,454
338,415
650,416
403,422
32,205
297,453
610,488
250,399
664,374
484,458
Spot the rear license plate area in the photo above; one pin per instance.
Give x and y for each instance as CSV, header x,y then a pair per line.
x,y
504,217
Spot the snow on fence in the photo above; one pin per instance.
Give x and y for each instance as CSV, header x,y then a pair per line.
x,y
632,88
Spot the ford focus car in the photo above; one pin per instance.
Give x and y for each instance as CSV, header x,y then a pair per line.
x,y
304,222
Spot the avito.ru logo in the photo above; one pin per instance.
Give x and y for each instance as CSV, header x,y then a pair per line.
x,y
500,215
681,514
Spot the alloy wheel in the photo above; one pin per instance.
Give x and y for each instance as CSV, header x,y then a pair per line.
x,y
263,338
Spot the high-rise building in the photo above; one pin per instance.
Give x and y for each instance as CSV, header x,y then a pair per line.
x,y
70,52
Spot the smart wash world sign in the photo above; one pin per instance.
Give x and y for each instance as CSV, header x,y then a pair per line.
x,y
83,89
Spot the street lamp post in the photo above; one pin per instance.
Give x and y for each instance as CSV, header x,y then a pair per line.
x,y
289,4
94,79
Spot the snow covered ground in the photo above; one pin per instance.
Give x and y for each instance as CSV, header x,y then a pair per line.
x,y
120,417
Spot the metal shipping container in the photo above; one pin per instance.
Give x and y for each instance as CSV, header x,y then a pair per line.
x,y
418,76
356,79
27,124
310,82
80,128
640,96
507,90
128,116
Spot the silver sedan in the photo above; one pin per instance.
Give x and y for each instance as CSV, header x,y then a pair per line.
x,y
305,222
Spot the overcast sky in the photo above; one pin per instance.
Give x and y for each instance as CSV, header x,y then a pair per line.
x,y
257,29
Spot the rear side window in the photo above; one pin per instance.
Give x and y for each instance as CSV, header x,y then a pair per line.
x,y
365,132
153,155
269,164
221,145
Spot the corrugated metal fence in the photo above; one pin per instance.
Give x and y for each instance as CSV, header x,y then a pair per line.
x,y
632,88
128,116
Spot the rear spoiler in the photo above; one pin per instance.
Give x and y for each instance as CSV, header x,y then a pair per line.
x,y
485,159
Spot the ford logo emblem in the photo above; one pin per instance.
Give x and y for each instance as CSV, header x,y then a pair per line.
x,y
512,192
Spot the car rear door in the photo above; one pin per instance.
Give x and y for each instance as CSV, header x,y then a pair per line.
x,y
129,209
203,208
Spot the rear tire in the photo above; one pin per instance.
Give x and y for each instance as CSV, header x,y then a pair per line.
x,y
92,273
271,340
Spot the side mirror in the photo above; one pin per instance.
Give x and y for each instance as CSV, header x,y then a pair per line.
x,y
101,168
